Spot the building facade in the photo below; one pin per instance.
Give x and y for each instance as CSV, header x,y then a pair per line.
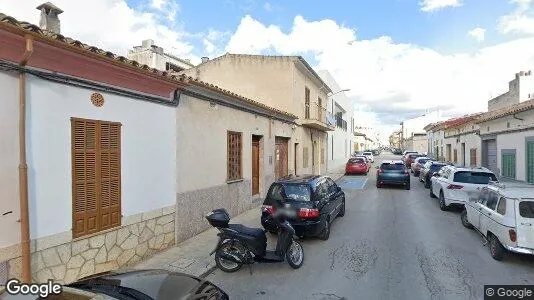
x,y
520,89
417,124
395,139
288,84
155,57
507,137
417,142
340,141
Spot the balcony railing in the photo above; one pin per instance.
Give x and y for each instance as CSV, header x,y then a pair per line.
x,y
319,118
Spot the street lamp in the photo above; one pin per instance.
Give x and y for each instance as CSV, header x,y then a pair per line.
x,y
343,90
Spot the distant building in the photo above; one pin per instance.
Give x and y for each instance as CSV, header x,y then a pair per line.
x,y
416,125
417,142
520,89
395,139
155,57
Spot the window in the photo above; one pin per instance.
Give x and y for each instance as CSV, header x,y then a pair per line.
x,y
319,109
392,167
508,164
307,103
501,208
275,193
96,176
491,201
474,177
297,192
234,156
473,156
526,209
322,189
305,157
332,186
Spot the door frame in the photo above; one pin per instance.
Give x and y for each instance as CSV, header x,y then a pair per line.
x,y
256,139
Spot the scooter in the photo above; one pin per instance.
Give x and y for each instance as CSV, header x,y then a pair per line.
x,y
239,245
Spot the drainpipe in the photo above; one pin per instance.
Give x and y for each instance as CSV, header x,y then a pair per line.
x,y
23,169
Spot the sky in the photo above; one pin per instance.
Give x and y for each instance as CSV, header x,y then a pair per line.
x,y
397,57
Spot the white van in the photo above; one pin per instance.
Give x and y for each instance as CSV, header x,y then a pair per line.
x,y
504,214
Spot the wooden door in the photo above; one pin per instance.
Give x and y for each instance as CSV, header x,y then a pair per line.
x,y
280,167
255,167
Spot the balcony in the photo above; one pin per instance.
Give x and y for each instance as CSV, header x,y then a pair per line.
x,y
316,117
340,123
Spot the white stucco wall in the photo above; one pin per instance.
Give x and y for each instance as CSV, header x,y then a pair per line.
x,y
148,136
9,158
515,141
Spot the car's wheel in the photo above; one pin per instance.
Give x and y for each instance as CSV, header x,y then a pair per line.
x,y
496,249
326,231
378,185
407,185
465,222
295,255
224,264
442,205
342,211
431,193
427,183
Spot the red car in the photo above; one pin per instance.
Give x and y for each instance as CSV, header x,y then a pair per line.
x,y
356,165
410,158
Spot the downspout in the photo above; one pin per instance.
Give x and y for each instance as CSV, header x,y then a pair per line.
x,y
23,169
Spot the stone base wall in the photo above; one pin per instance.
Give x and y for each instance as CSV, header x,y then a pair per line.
x,y
65,260
194,205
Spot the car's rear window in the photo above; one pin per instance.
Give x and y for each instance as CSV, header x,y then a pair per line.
x,y
474,177
357,160
392,167
367,153
526,209
297,192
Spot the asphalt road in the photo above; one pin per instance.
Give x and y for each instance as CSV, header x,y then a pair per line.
x,y
391,244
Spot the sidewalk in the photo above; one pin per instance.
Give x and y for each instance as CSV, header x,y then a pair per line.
x,y
192,256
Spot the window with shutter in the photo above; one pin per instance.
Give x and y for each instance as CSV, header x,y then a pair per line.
x,y
508,165
234,156
473,156
96,176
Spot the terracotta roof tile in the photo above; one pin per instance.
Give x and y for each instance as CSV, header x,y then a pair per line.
x,y
58,38
506,111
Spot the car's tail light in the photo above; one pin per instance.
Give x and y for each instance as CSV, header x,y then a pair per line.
x,y
455,187
308,213
267,209
513,235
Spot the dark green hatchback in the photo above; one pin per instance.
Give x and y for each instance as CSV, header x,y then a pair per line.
x,y
392,172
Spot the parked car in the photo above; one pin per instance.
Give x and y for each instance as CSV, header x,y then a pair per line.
x,y
397,151
410,158
369,155
428,169
367,160
504,215
418,164
375,152
408,152
452,184
317,199
357,165
392,172
135,284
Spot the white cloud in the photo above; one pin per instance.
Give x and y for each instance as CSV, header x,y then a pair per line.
x,y
520,21
267,6
396,80
479,34
158,4
435,5
111,25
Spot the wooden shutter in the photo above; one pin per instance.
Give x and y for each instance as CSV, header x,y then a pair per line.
x,y
84,177
234,156
473,157
96,176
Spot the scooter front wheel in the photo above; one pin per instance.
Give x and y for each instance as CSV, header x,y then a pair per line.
x,y
225,264
295,255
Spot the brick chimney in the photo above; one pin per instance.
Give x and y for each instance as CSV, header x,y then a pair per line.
x,y
50,17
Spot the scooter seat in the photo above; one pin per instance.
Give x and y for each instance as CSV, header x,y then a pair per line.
x,y
253,232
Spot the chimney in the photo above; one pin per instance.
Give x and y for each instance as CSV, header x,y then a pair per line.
x,y
205,59
147,43
50,17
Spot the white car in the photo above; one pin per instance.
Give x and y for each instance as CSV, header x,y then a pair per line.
x,y
369,156
452,184
504,215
